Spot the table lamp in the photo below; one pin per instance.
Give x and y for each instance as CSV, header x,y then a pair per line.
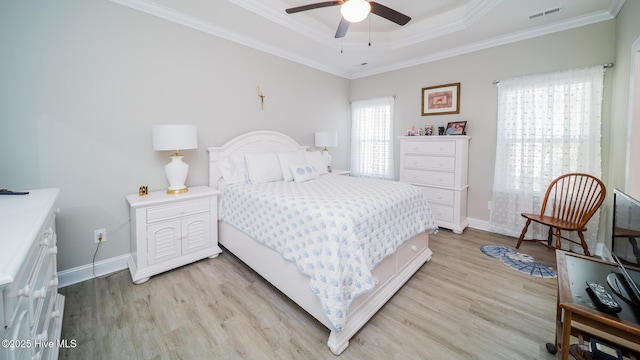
x,y
175,138
326,139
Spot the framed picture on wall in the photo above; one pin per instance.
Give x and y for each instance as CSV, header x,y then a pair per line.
x,y
441,99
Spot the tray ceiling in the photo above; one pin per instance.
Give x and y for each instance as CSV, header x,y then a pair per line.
x,y
438,28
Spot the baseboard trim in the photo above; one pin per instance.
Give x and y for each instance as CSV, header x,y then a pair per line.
x,y
478,224
107,266
85,272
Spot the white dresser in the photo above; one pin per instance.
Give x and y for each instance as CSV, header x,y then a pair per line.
x,y
438,165
168,231
30,307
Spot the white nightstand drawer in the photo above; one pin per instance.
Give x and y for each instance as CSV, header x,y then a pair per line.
x,y
442,212
159,213
441,196
444,163
429,177
442,147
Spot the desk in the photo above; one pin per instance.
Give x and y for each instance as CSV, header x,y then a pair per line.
x,y
576,313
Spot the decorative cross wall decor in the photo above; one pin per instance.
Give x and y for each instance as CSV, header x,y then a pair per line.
x,y
261,96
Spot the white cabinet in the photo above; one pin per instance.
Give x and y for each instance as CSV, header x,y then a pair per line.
x,y
31,308
168,231
438,165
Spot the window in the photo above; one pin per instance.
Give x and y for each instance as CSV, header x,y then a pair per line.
x,y
371,138
548,125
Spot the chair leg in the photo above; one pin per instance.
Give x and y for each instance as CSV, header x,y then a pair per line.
x,y
558,239
524,231
550,237
585,248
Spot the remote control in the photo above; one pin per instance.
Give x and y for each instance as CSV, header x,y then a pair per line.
x,y
603,298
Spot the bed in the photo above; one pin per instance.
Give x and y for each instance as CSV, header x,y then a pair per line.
x,y
304,232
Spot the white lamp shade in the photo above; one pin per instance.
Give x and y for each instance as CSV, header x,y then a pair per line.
x,y
355,10
326,139
174,137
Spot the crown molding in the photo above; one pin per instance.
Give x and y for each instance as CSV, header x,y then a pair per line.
x,y
152,8
498,41
395,41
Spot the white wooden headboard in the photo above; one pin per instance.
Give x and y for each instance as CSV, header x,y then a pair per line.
x,y
253,142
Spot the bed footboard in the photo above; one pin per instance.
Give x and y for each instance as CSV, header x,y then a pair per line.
x,y
390,275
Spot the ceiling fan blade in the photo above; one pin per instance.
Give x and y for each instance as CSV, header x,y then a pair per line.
x,y
389,14
313,6
342,28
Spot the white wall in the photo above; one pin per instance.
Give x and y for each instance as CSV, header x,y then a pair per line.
x,y
585,46
82,82
627,33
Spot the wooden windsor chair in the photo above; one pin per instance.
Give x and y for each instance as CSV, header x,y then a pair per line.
x,y
569,203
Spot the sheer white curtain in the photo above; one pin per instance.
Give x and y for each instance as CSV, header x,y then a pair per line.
x,y
548,125
371,137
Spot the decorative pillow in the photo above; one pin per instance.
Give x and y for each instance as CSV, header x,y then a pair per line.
x,y
234,170
263,167
287,159
303,172
315,159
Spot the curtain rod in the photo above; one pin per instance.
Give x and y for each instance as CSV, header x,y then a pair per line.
x,y
606,66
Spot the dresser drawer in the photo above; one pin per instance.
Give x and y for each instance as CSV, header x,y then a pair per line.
x,y
444,163
441,196
409,250
159,213
442,212
443,147
429,177
20,289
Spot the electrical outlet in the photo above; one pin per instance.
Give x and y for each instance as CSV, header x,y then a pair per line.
x,y
99,235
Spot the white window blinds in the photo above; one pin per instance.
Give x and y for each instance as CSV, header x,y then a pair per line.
x,y
371,138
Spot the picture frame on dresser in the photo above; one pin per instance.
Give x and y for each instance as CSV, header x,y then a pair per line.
x,y
456,128
441,99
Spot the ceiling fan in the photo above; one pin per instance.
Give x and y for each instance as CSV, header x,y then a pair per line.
x,y
355,11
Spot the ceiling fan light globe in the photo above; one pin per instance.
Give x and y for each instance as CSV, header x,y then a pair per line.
x,y
355,10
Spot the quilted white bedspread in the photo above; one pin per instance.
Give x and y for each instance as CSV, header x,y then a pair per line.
x,y
334,228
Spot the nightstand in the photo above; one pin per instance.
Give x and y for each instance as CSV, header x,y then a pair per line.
x,y
341,172
168,231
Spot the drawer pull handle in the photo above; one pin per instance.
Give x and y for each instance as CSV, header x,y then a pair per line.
x,y
414,248
40,294
43,336
24,292
55,314
48,235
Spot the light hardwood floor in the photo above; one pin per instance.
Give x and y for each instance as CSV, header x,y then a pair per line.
x,y
460,305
